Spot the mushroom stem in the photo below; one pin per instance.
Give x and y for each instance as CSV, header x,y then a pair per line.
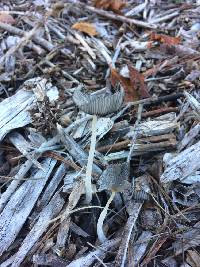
x,y
88,180
101,236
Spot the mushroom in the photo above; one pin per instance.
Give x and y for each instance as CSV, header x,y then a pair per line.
x,y
96,104
114,178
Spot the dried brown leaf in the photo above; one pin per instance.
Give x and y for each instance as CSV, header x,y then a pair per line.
x,y
130,93
166,39
85,27
137,82
7,18
113,5
134,87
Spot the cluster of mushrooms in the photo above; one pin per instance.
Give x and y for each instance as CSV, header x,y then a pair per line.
x,y
115,176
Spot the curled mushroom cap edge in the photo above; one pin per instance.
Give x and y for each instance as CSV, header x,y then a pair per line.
x,y
101,104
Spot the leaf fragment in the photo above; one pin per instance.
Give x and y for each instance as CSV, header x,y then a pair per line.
x,y
85,27
166,39
113,5
115,78
6,18
138,83
134,87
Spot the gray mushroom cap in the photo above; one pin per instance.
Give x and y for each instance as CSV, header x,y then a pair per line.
x,y
101,104
115,177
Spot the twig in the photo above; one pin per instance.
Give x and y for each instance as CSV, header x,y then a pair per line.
x,y
65,74
21,179
114,147
23,41
113,16
80,209
77,123
58,157
144,143
167,17
85,45
47,59
39,40
159,111
103,264
155,101
128,231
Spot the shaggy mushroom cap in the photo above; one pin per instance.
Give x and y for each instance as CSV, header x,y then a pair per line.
x,y
115,177
100,104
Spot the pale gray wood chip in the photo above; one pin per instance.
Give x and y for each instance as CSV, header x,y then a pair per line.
x,y
13,111
62,235
48,213
24,147
23,170
69,180
183,165
74,197
100,252
140,246
193,132
14,184
20,205
52,186
76,151
128,229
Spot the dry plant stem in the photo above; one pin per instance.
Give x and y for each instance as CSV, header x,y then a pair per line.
x,y
164,18
135,131
79,209
37,39
88,176
155,101
24,40
65,74
101,236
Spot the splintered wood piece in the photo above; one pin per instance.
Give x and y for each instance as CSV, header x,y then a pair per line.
x,y
48,213
87,260
75,149
15,110
184,164
20,205
128,229
143,144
